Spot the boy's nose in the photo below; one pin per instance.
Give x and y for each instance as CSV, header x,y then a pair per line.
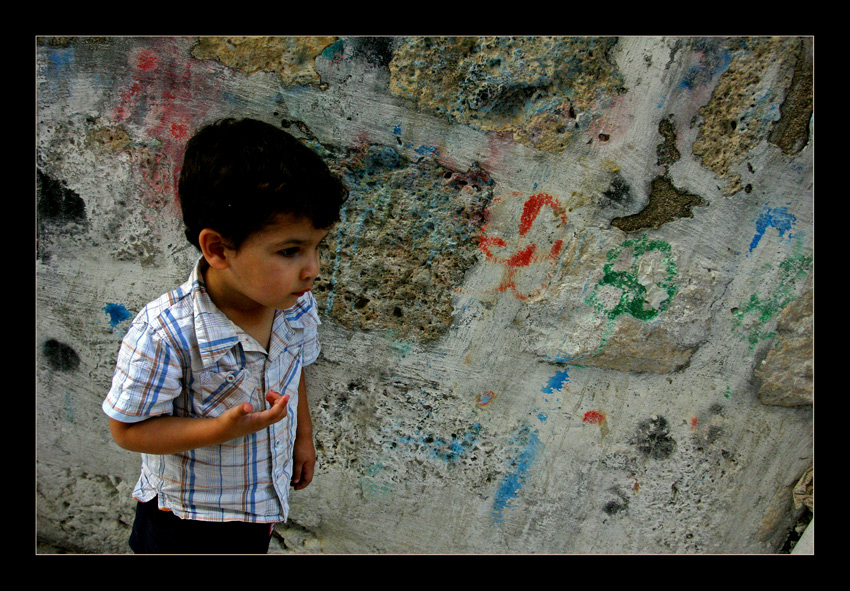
x,y
311,269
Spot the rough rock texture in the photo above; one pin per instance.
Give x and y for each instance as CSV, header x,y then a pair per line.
x,y
568,308
786,376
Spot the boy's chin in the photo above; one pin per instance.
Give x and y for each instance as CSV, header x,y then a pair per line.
x,y
291,300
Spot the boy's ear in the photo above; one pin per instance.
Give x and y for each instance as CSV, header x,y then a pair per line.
x,y
214,248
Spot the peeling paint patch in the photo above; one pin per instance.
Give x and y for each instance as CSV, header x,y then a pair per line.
x,y
485,398
57,203
59,209
449,450
667,151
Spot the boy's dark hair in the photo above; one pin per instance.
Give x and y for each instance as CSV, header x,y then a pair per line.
x,y
239,174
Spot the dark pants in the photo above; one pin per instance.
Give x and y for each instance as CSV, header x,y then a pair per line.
x,y
162,532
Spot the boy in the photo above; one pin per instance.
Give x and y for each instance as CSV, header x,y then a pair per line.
x,y
208,386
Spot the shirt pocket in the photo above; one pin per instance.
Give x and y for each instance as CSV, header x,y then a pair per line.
x,y
221,391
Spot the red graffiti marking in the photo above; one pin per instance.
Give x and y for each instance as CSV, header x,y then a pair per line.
x,y
523,253
166,97
179,130
594,417
146,60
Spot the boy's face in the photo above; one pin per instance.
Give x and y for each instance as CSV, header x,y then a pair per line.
x,y
275,266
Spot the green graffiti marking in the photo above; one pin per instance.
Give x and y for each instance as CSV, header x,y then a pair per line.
x,y
752,316
634,285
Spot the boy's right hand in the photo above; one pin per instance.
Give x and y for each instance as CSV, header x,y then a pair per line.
x,y
241,420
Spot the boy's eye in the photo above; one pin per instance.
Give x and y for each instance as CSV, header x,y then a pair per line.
x,y
289,252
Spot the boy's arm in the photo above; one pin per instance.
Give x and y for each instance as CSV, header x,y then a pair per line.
x,y
303,451
167,435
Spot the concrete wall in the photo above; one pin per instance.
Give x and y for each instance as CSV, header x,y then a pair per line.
x,y
568,310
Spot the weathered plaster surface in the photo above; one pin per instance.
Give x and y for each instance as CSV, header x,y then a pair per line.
x,y
568,308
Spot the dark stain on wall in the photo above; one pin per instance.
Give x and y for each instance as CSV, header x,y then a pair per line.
x,y
620,191
59,356
58,209
618,505
377,51
653,439
57,203
666,204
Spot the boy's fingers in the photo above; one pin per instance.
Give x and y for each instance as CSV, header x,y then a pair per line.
x,y
272,396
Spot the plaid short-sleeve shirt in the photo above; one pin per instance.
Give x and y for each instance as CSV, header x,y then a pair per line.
x,y
183,357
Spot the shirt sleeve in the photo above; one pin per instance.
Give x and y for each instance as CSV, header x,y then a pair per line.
x,y
147,378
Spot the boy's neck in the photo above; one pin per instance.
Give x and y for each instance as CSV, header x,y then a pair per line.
x,y
253,318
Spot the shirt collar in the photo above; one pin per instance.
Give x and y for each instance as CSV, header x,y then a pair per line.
x,y
216,333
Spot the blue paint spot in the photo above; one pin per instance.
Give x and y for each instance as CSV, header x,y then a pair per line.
x,y
427,151
556,382
529,445
397,129
117,313
778,218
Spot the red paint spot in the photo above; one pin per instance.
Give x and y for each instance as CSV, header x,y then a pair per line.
x,y
146,60
524,257
694,423
179,130
594,417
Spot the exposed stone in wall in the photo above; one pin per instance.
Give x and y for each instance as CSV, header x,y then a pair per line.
x,y
786,375
667,151
408,235
541,91
744,105
666,204
791,132
291,57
